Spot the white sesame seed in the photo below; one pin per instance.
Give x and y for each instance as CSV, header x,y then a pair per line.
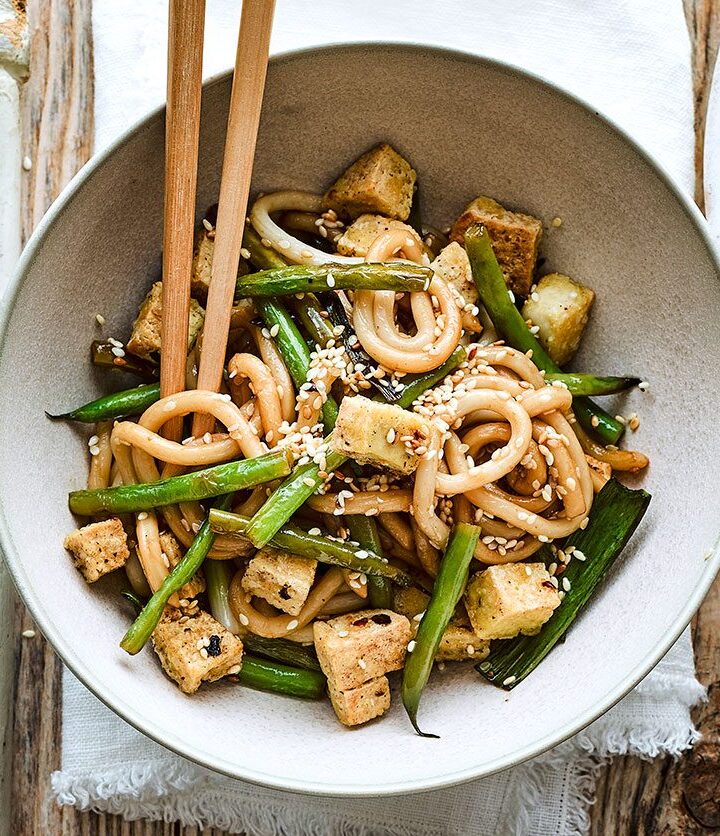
x,y
243,619
411,646
470,650
557,222
118,352
28,634
362,664
207,225
275,330
509,680
100,319
292,625
92,441
578,555
343,633
643,386
566,584
26,163
235,669
142,516
204,653
314,531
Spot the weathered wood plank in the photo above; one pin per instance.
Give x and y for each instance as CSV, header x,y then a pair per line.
x,y
57,114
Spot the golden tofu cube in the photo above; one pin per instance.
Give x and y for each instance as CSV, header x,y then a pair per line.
x,y
380,181
560,308
196,649
380,434
355,648
281,578
358,705
359,236
145,336
453,265
98,548
505,600
458,642
515,238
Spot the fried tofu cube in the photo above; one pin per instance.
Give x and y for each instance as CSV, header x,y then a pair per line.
x,y
173,552
380,434
560,308
196,649
358,705
458,642
202,263
453,265
359,236
503,601
515,238
98,548
281,578
380,181
145,336
355,648
600,472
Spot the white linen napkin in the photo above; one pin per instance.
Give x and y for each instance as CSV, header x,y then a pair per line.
x,y
632,61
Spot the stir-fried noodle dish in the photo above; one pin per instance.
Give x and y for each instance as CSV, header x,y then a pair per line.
x,y
396,472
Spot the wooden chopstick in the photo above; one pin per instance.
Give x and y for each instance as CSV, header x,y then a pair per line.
x,y
243,120
186,26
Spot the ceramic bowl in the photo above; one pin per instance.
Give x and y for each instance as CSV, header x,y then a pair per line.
x,y
627,232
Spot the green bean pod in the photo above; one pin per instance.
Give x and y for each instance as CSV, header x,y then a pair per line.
x,y
116,405
324,549
448,589
202,484
364,531
281,650
307,278
276,678
103,354
142,628
579,383
318,327
509,322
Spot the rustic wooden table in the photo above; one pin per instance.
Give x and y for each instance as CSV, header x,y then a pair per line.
x,y
663,796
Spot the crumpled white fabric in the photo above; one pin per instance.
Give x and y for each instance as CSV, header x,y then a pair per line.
x,y
631,59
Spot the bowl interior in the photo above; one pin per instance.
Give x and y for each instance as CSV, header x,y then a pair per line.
x,y
625,233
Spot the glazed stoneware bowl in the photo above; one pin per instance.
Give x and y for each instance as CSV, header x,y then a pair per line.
x,y
627,232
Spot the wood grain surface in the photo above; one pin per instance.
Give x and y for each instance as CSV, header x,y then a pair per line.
x,y
663,796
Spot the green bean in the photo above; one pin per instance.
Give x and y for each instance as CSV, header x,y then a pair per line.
x,y
116,405
307,278
202,484
132,599
616,513
302,483
448,588
317,326
364,530
281,679
508,320
264,258
282,650
142,628
218,577
104,355
590,384
322,548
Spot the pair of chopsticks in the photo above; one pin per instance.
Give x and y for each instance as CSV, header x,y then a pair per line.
x,y
182,132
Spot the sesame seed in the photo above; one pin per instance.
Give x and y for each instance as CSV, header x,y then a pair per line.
x,y
390,437
142,516
243,619
566,584
578,555
509,680
207,438
117,351
314,531
595,421
275,330
528,571
643,386
235,669
100,319
411,646
204,653
331,280
207,224
343,633
245,253
28,634
470,650
557,222
292,625
26,163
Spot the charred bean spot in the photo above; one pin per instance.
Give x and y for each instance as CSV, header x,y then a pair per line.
x,y
284,593
214,646
361,622
381,618
548,585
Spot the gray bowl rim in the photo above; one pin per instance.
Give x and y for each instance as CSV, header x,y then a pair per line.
x,y
237,771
